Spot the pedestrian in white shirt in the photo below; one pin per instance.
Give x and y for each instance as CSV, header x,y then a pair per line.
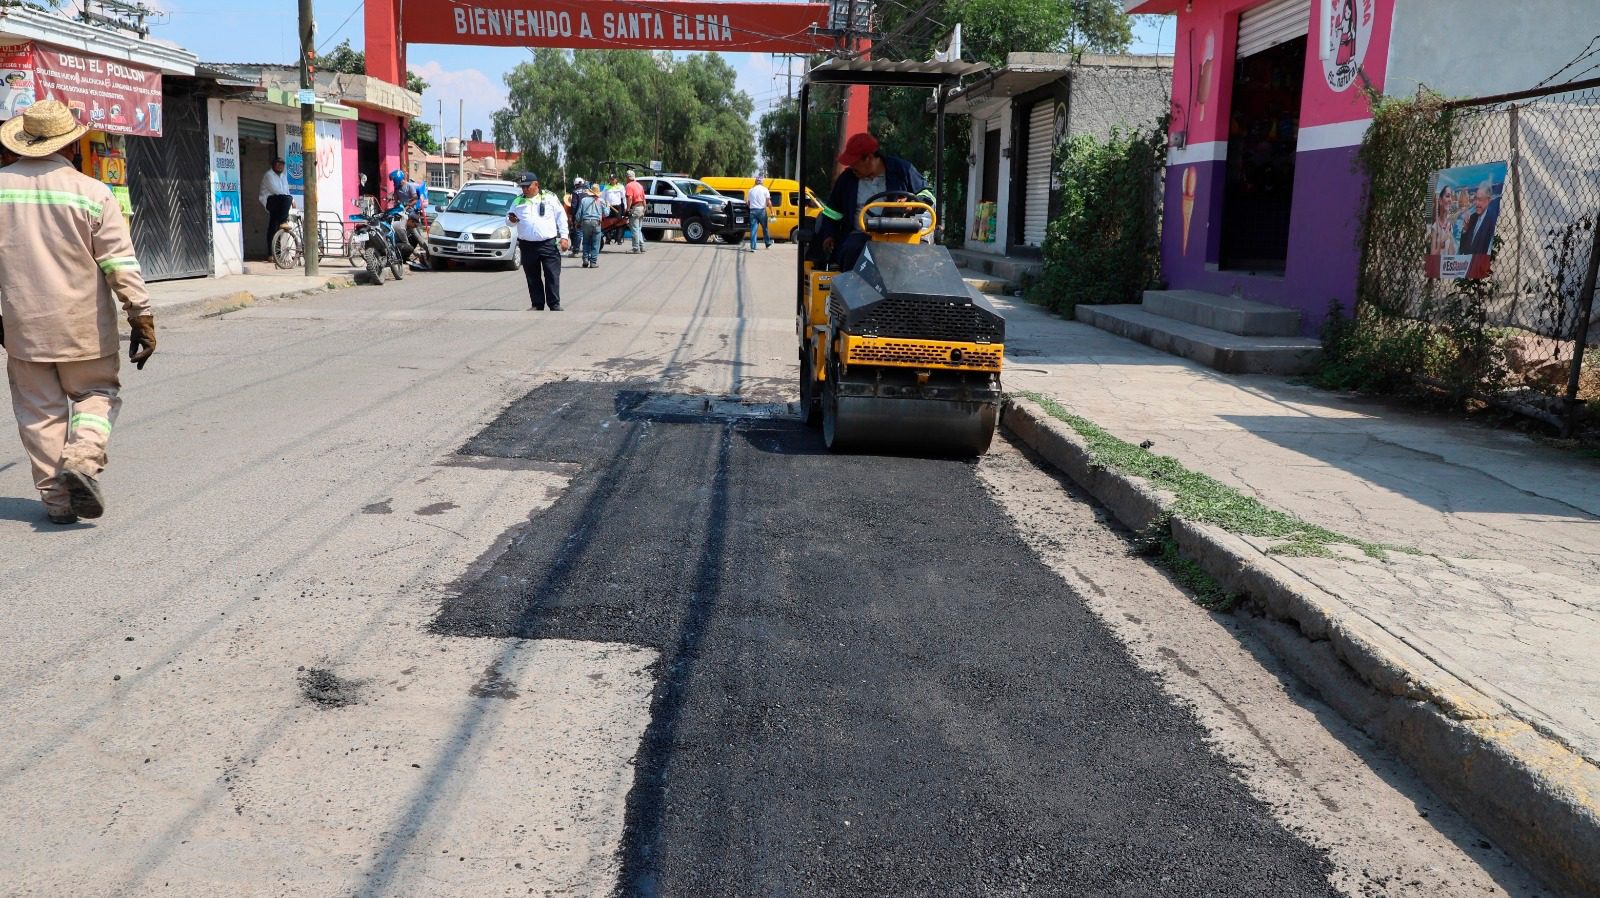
x,y
276,198
760,201
541,225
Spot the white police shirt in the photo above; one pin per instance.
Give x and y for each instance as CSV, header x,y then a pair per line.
x,y
531,225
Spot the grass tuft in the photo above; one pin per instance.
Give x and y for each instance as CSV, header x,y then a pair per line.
x,y
1204,499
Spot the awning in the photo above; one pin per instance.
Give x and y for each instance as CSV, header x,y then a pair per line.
x,y
325,108
1004,84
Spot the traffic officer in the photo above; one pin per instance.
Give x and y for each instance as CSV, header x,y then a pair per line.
x,y
65,258
541,225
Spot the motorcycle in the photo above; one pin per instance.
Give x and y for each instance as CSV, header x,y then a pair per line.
x,y
379,242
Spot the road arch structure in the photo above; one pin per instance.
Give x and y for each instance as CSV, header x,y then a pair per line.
x,y
695,25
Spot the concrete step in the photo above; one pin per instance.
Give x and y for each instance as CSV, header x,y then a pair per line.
x,y
1001,268
987,285
1223,313
1228,353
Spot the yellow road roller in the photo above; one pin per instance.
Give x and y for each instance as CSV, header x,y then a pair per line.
x,y
898,352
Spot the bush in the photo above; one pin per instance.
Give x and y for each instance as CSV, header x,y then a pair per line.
x,y
1103,246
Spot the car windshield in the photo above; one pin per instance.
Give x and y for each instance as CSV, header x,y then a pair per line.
x,y
438,196
483,202
695,188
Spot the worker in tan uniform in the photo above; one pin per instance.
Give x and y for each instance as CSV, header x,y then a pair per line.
x,y
65,258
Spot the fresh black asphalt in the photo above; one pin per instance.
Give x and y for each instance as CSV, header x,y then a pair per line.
x,y
869,685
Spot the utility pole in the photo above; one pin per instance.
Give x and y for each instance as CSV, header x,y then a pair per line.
x,y
461,142
308,136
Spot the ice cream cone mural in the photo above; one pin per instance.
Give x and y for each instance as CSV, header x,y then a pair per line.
x,y
1190,179
1207,61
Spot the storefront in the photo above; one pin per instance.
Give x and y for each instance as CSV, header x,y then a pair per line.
x,y
1263,194
147,132
248,132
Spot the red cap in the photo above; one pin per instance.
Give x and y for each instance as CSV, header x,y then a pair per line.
x,y
858,147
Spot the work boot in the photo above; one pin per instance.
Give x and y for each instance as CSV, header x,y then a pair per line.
x,y
83,492
62,516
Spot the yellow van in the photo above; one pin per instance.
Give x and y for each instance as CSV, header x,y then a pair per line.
x,y
784,216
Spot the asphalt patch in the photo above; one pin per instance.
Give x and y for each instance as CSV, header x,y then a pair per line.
x,y
327,689
869,685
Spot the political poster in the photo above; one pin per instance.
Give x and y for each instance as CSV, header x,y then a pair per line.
x,y
1463,215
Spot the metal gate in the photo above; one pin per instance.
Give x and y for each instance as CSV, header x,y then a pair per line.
x,y
169,181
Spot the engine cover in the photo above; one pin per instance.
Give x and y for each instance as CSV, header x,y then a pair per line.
x,y
912,291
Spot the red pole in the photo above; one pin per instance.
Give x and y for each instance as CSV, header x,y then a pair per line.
x,y
857,102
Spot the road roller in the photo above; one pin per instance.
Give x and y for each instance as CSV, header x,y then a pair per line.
x,y
899,352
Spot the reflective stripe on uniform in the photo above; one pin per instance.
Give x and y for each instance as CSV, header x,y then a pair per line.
x,y
28,197
120,263
84,419
836,216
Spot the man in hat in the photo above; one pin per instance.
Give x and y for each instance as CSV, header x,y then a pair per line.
x,y
276,198
868,172
540,222
633,195
65,259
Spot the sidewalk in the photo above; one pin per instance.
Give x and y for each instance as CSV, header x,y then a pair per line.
x,y
261,282
1497,580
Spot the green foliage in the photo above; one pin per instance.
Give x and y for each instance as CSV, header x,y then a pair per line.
x,y
344,60
1103,246
420,133
414,83
569,110
1203,499
1406,332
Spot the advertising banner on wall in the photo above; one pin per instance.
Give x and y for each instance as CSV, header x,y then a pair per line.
x,y
225,193
1464,211
106,95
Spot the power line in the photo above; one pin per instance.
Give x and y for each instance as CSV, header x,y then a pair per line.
x,y
329,39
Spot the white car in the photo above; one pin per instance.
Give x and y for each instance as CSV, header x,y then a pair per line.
x,y
473,228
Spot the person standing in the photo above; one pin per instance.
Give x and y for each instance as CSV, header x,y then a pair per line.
x,y
633,194
276,198
541,226
66,258
588,213
760,201
614,199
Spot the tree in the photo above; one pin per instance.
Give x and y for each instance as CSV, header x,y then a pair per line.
x,y
343,60
570,110
420,133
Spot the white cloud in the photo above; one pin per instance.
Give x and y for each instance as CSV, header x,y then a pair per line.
x,y
483,96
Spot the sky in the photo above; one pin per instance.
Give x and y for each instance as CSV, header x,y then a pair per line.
x,y
265,31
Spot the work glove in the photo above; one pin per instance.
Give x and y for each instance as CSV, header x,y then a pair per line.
x,y
141,340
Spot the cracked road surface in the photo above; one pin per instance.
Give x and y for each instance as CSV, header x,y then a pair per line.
x,y
408,591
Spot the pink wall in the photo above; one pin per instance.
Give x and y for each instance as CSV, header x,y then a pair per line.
x,y
351,164
1202,108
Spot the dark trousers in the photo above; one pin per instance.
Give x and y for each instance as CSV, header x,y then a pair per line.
x,y
541,265
277,213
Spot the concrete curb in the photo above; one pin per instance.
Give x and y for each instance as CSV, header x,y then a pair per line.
x,y
1538,799
211,305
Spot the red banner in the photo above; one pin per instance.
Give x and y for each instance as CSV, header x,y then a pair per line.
x,y
735,27
104,94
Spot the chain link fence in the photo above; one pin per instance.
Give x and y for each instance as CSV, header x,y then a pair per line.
x,y
1507,273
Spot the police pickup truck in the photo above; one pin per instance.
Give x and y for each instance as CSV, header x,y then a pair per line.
x,y
681,203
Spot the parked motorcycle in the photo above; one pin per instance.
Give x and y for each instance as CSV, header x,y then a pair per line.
x,y
380,241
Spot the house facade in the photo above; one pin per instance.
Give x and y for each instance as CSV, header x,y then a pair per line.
x,y
1020,115
1263,193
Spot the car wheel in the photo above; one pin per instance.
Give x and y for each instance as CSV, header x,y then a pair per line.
x,y
516,259
696,231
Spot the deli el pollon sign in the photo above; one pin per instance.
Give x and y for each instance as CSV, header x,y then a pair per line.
x,y
103,94
619,25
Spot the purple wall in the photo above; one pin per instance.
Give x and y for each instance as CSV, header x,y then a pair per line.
x,y
1323,261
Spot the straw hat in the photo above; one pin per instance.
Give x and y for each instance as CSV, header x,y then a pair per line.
x,y
42,129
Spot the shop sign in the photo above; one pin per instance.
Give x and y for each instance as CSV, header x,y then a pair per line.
x,y
1346,32
225,193
108,96
294,160
1464,206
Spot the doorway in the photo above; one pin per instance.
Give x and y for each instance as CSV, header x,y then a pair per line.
x,y
369,161
1264,132
258,146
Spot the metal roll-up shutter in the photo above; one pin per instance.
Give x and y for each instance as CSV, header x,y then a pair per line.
x,y
250,128
366,131
1041,154
1273,23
